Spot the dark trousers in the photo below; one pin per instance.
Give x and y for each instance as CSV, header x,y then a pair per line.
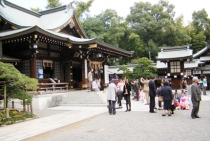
x,y
137,95
195,110
152,104
119,98
159,104
112,107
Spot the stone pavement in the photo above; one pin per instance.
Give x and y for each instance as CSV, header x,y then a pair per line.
x,y
61,116
136,126
23,130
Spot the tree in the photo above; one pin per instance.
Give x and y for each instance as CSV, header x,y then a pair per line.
x,y
200,20
201,24
131,42
113,27
156,26
94,28
144,68
83,8
126,72
17,83
198,42
53,4
107,26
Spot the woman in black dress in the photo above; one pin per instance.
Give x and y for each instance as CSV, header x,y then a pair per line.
x,y
126,94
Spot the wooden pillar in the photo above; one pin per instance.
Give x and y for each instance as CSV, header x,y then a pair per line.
x,y
84,72
182,66
33,66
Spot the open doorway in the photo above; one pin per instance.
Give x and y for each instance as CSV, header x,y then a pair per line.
x,y
77,76
48,72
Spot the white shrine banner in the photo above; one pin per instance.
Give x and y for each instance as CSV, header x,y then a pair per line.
x,y
106,74
85,68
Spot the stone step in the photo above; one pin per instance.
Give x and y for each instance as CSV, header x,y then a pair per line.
x,y
85,105
82,94
85,100
81,98
90,99
82,102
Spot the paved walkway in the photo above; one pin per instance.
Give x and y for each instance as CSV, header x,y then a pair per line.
x,y
59,117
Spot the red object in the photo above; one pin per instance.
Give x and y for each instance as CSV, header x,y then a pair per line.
x,y
176,104
183,107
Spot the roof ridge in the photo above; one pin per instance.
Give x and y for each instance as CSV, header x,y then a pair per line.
x,y
176,47
47,11
20,8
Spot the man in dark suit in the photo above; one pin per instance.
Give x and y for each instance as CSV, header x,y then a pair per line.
x,y
152,94
195,98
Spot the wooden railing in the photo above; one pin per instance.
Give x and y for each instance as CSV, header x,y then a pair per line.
x,y
53,86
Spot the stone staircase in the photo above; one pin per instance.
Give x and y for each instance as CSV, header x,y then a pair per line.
x,y
84,99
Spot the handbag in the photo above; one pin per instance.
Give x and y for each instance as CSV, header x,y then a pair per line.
x,y
160,98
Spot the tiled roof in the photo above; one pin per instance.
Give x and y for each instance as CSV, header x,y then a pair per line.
x,y
22,17
200,52
64,37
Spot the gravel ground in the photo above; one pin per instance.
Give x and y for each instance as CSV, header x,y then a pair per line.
x,y
133,126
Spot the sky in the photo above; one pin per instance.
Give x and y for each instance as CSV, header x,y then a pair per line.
x,y
122,7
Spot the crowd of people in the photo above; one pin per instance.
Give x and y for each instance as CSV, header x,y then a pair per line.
x,y
120,89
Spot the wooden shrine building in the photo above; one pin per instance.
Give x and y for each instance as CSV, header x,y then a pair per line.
x,y
175,57
51,44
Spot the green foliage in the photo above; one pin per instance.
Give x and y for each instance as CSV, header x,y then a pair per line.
x,y
144,68
200,32
126,72
107,26
19,93
82,8
156,26
13,77
198,42
36,9
17,83
15,118
53,4
200,20
94,28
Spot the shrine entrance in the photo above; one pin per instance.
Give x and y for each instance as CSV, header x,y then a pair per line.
x,y
77,76
48,72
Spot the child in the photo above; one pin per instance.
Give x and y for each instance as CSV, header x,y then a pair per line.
x,y
184,102
176,101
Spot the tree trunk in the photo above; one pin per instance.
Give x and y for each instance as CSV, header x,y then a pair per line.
x,y
5,100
